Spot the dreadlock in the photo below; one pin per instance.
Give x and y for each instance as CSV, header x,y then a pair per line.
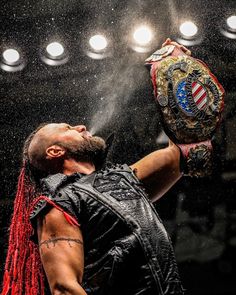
x,y
23,270
24,273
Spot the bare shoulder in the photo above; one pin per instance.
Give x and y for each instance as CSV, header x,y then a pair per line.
x,y
54,221
61,251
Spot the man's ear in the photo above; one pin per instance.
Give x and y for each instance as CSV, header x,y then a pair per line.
x,y
55,151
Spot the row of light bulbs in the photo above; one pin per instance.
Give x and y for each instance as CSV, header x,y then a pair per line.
x,y
142,37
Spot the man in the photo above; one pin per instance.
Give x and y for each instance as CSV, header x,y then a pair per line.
x,y
95,229
97,232
69,150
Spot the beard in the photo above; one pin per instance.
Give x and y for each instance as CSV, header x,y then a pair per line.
x,y
91,149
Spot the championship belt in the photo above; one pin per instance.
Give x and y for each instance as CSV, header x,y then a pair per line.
x,y
190,100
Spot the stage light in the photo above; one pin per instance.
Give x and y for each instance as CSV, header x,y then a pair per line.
x,y
98,47
141,39
55,49
231,22
54,54
188,29
98,42
12,60
189,34
11,56
142,35
228,27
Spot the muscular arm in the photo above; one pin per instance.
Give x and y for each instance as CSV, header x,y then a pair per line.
x,y
61,251
159,170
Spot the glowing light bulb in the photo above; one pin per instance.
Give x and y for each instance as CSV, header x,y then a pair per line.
x,y
98,42
231,22
188,29
55,49
142,35
11,55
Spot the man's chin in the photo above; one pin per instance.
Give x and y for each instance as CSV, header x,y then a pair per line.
x,y
97,142
92,149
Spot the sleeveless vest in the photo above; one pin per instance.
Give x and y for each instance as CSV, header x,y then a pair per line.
x,y
126,247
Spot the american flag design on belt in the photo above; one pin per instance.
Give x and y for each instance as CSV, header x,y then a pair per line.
x,y
199,95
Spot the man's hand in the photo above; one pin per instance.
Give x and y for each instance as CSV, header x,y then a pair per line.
x,y
159,170
61,251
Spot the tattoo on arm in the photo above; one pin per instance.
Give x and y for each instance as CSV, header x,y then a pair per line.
x,y
55,240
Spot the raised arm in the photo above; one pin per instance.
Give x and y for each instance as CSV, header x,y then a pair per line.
x,y
159,170
61,251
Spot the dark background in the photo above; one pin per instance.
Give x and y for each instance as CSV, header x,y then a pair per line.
x,y
115,94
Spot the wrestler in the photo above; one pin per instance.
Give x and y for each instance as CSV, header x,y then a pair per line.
x,y
92,230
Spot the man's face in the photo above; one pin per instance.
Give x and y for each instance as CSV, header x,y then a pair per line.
x,y
77,141
62,132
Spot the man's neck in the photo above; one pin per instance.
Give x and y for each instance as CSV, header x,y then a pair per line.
x,y
71,166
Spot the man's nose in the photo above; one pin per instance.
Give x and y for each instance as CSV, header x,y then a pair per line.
x,y
80,128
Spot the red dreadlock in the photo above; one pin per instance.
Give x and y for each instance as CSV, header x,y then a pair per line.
x,y
23,270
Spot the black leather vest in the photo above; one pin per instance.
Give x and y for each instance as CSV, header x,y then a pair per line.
x,y
127,249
